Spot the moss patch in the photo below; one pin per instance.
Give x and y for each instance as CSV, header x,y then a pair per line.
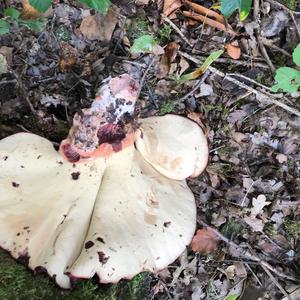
x,y
18,283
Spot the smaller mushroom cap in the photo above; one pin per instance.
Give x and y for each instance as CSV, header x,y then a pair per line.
x,y
173,145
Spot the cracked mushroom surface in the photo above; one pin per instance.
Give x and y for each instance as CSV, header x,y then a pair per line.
x,y
113,201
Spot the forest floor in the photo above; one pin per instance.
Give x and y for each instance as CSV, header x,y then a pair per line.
x,y
249,195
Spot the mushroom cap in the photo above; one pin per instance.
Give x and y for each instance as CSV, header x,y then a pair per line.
x,y
142,221
46,204
173,145
113,217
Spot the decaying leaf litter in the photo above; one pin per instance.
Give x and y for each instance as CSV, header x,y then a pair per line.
x,y
248,198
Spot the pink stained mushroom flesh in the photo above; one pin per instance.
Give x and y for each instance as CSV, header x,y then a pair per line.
x,y
107,126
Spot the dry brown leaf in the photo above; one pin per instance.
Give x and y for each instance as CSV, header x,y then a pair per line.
x,y
68,56
205,241
233,50
170,52
99,27
171,6
29,12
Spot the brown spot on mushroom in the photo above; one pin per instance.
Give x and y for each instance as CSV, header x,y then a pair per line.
x,y
102,257
100,239
167,223
5,157
150,218
14,184
75,175
89,244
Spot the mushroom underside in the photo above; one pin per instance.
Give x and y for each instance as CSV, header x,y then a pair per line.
x,y
112,217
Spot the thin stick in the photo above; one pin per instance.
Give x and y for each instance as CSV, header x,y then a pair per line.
x,y
166,19
208,21
196,87
265,53
235,62
142,81
265,96
275,281
269,43
205,11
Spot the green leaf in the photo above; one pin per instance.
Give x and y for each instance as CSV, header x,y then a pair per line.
x,y
229,6
296,55
288,80
232,297
4,27
35,25
143,44
198,72
12,12
40,5
99,5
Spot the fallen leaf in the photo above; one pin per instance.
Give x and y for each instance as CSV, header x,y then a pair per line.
x,y
205,241
233,50
7,52
198,72
99,26
171,6
258,204
29,12
230,272
68,56
168,57
240,269
254,223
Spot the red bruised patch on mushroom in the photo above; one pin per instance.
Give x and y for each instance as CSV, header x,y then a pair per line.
x,y
90,214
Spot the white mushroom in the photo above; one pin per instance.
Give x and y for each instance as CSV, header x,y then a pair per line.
x,y
115,214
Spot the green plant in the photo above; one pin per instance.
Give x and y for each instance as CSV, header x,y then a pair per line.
x,y
229,6
288,79
164,33
143,44
98,5
12,19
292,227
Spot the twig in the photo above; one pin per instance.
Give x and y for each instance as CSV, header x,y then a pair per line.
x,y
209,22
275,281
235,62
195,88
142,81
166,19
261,95
263,51
270,44
8,81
237,251
254,275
